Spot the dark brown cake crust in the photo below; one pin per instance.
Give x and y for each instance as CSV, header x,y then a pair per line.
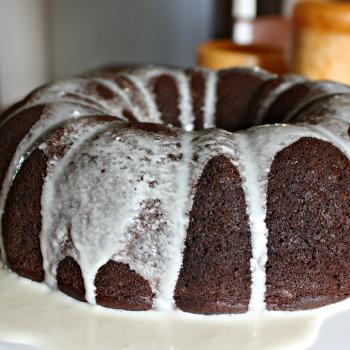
x,y
167,99
119,287
12,133
308,220
197,86
21,222
69,278
235,92
215,276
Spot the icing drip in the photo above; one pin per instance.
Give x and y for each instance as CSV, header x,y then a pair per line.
x,y
152,112
255,199
180,210
210,99
186,112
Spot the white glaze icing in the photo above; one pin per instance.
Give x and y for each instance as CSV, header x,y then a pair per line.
x,y
180,209
210,100
52,246
102,227
144,94
186,116
38,316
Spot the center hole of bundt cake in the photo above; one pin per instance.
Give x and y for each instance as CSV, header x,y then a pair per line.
x,y
238,98
245,99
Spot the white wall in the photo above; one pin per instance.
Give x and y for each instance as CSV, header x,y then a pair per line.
x,y
90,33
23,48
52,39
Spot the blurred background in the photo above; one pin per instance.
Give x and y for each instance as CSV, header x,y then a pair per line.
x,y
43,40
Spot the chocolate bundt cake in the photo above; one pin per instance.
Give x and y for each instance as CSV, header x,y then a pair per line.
x,y
155,188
